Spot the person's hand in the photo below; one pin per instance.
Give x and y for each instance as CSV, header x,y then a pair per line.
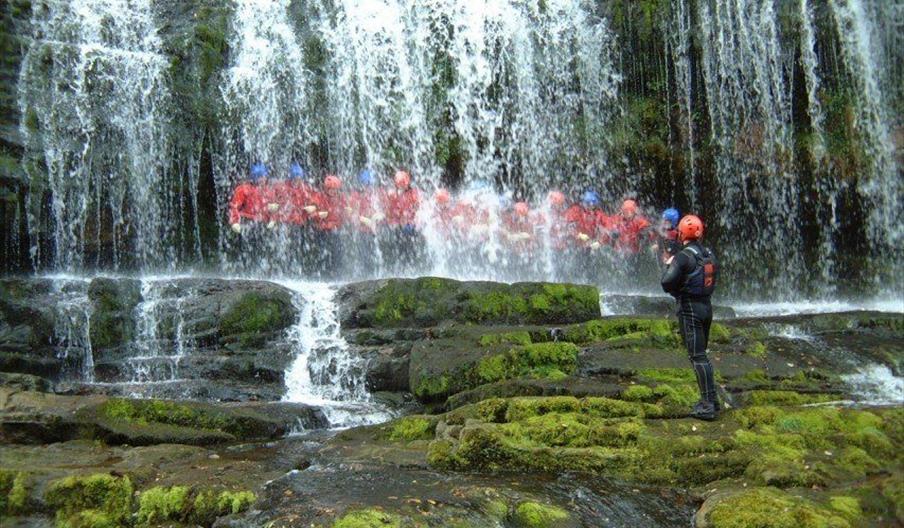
x,y
594,245
271,225
379,217
273,207
583,237
458,219
237,228
524,236
323,214
669,260
310,209
366,221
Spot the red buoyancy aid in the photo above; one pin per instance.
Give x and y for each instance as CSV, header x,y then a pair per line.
x,y
246,203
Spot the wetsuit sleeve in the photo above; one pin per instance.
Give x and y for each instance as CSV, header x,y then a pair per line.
x,y
674,274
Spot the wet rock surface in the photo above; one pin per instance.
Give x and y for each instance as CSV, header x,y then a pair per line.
x,y
515,421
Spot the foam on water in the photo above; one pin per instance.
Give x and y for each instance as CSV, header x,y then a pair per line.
x,y
877,385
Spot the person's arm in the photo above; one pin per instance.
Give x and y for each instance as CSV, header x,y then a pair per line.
x,y
675,272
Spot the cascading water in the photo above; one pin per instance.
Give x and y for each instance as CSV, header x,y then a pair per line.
x,y
520,95
324,373
93,90
154,358
73,326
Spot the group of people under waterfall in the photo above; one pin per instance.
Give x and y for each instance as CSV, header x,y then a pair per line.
x,y
329,219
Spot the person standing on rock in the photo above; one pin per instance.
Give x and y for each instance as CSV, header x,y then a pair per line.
x,y
690,276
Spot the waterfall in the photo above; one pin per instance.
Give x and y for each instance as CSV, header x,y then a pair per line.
x,y
776,121
882,186
94,96
324,372
154,358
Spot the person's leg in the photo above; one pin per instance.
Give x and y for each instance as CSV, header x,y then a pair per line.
x,y
691,317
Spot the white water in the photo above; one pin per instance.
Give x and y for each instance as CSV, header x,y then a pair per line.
x,y
324,373
73,324
768,309
877,385
94,93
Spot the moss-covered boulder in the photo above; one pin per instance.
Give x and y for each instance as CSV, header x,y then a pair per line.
x,y
92,500
428,301
441,368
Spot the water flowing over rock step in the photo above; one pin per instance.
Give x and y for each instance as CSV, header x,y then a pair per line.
x,y
87,48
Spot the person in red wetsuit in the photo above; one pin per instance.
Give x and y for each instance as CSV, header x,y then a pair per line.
x,y
247,202
363,205
584,221
630,228
518,227
401,205
443,211
328,220
556,224
403,245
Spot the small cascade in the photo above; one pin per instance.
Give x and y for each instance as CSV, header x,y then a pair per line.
x,y
72,328
324,372
877,385
154,358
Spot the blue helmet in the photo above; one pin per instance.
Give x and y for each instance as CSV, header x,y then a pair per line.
x,y
258,171
366,178
672,216
590,199
296,172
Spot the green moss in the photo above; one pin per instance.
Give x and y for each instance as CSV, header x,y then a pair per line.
x,y
534,359
256,313
161,504
759,397
848,506
89,519
768,507
536,515
208,505
105,494
668,375
657,331
144,412
412,428
431,387
14,486
719,333
507,338
638,393
369,518
757,350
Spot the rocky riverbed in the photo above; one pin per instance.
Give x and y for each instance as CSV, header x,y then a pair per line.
x,y
167,402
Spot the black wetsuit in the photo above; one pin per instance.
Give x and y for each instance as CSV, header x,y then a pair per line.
x,y
695,315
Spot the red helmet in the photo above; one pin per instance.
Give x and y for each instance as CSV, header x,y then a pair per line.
x,y
332,182
556,198
629,208
690,228
521,208
442,196
402,179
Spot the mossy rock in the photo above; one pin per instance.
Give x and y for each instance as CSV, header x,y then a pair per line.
x,y
428,301
256,314
14,492
442,368
183,504
537,515
769,508
148,422
368,518
654,332
92,500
